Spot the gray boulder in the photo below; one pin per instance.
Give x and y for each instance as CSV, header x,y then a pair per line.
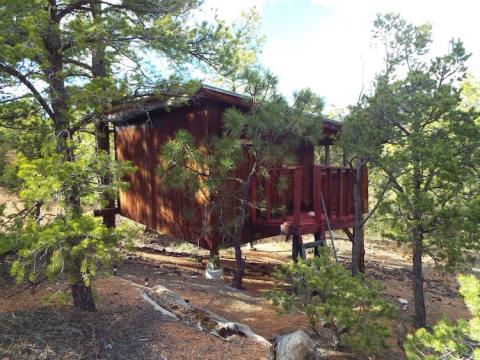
x,y
294,346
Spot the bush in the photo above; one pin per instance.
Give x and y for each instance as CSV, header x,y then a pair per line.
x,y
331,297
447,340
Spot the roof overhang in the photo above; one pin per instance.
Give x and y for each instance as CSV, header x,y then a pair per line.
x,y
131,112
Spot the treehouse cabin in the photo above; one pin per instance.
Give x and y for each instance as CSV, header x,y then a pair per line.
x,y
309,198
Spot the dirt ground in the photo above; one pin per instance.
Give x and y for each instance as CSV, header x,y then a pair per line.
x,y
127,327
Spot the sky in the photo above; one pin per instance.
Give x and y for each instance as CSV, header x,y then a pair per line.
x,y
326,44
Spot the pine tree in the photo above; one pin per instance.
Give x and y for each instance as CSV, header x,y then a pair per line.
x,y
429,147
76,60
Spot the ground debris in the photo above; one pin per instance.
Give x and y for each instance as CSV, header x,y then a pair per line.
x,y
205,320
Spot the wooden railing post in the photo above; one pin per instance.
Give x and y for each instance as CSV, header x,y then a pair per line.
x,y
328,193
284,175
297,195
317,189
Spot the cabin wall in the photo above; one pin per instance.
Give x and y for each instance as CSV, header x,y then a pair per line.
x,y
146,201
172,212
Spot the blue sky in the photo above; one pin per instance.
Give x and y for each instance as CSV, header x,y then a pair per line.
x,y
326,44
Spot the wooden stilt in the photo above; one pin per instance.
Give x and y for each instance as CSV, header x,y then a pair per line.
x,y
295,248
303,252
320,236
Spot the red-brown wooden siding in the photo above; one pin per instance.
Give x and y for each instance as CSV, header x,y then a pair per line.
x,y
174,213
146,201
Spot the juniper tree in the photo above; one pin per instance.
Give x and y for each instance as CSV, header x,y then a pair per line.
x,y
430,155
77,60
268,133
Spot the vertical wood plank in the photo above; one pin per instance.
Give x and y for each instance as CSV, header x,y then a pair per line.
x,y
317,188
340,193
328,192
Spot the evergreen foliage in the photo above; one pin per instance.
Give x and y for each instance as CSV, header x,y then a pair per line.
x,y
63,66
268,134
415,129
330,297
447,340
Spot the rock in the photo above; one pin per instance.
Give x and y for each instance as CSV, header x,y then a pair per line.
x,y
213,274
294,346
403,303
325,354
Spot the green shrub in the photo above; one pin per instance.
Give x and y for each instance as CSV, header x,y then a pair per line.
x,y
448,340
331,297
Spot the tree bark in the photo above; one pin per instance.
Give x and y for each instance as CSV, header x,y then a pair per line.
x,y
83,297
417,278
358,231
417,237
102,135
240,267
239,226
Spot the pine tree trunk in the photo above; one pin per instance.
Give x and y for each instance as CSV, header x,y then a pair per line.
x,y
81,294
102,136
357,244
417,278
239,226
417,237
240,267
83,297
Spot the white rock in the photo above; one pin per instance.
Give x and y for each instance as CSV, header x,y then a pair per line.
x,y
294,346
404,303
214,274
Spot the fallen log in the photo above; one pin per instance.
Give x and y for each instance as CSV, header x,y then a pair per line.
x,y
173,305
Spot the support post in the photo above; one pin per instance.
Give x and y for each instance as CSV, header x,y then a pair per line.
x,y
320,236
297,248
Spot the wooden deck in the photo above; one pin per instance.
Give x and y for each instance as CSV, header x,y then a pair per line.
x,y
279,206
308,224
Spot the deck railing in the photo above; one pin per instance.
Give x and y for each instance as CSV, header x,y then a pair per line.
x,y
332,191
278,195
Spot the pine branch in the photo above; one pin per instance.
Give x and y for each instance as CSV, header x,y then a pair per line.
x,y
23,79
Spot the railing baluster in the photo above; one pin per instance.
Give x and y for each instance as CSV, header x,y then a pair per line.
x,y
284,175
317,188
340,193
328,194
